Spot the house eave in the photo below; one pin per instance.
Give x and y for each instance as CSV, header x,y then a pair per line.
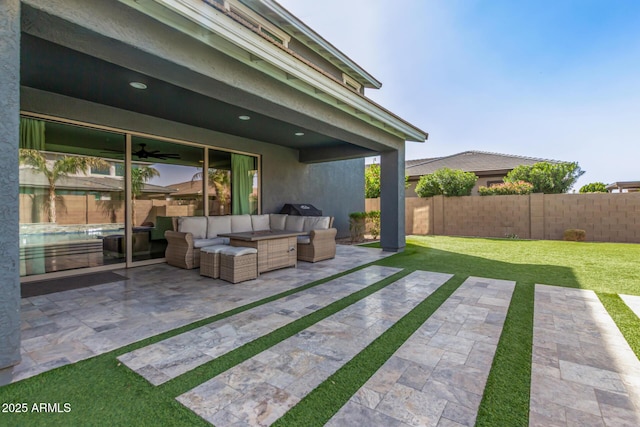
x,y
208,25
301,31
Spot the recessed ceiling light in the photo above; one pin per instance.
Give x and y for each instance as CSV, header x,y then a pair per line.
x,y
138,85
299,133
244,117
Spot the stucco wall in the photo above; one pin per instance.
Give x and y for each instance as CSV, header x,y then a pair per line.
x,y
335,187
9,119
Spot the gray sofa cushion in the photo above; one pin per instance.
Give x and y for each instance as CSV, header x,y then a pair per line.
x,y
260,222
304,240
277,221
217,225
196,225
241,223
201,243
316,223
294,223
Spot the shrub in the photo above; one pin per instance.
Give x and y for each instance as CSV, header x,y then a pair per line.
x,y
357,226
594,187
507,188
373,218
548,178
446,181
575,235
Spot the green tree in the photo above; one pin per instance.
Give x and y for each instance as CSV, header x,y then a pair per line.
x,y
548,178
61,167
448,182
372,181
594,187
139,176
220,179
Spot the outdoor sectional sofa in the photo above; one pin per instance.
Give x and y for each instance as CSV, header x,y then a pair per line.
x,y
192,233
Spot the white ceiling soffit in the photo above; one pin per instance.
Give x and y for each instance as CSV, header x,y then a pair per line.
x,y
202,21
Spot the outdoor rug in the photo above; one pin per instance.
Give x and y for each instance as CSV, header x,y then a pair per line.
x,y
49,286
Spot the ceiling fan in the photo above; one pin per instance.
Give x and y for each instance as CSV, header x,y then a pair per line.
x,y
142,153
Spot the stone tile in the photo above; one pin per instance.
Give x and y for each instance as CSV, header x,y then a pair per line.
x,y
156,299
412,407
353,414
633,302
435,377
459,414
213,340
591,377
262,403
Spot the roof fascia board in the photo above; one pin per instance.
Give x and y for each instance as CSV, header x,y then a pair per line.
x,y
316,38
252,47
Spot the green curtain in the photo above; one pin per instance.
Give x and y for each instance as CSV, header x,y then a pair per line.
x,y
241,183
31,134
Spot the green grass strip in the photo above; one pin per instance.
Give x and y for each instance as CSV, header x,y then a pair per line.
x,y
325,400
625,318
505,401
193,378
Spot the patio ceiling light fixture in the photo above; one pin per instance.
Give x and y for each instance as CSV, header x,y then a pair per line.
x,y
244,117
138,85
299,133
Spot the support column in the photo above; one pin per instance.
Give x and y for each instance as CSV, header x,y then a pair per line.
x,y
9,214
392,204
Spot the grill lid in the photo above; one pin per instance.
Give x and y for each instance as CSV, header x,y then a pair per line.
x,y
303,209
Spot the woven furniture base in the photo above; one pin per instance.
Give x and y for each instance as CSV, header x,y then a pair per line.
x,y
236,269
210,260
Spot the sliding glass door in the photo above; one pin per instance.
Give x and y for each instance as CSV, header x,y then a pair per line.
x,y
87,202
71,197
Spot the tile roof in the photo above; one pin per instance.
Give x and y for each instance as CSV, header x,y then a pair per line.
x,y
470,161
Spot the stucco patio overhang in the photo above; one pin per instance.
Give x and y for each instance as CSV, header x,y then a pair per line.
x,y
93,53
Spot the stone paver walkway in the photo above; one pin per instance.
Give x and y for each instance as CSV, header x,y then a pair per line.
x,y
437,377
65,327
633,302
261,389
583,371
172,357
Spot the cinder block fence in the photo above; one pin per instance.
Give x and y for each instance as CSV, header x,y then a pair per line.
x,y
606,217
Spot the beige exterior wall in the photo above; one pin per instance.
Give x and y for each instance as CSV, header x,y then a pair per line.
x,y
604,217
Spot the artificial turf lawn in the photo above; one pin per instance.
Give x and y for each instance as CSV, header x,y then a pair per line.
x,y
102,392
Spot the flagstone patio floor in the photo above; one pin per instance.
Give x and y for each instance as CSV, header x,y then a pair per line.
x,y
583,371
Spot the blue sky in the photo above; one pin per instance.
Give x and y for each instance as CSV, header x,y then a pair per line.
x,y
550,79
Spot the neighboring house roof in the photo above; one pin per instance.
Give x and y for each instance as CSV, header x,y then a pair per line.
x,y
104,184
479,162
624,185
189,188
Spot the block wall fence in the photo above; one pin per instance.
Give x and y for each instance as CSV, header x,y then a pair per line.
x,y
606,217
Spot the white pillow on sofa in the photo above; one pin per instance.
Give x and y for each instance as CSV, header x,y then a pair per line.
x,y
217,225
294,223
260,222
316,223
196,225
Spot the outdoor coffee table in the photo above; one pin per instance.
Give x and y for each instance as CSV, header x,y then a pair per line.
x,y
276,249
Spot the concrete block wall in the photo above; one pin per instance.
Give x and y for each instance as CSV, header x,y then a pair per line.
x,y
605,217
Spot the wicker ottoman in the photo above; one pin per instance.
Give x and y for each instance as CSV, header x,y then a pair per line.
x,y
210,260
238,264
